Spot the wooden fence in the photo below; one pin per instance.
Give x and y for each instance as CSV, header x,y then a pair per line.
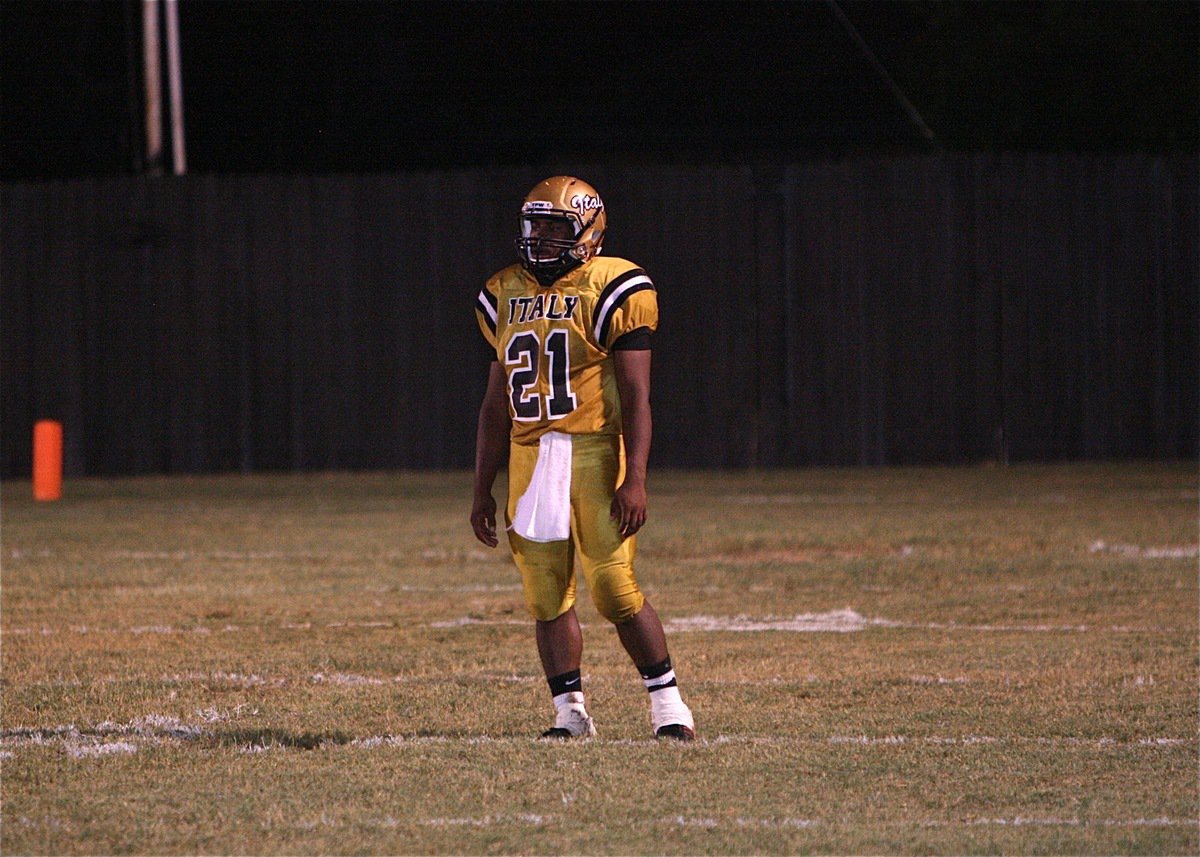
x,y
940,309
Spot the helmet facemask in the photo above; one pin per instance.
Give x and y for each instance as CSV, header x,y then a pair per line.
x,y
545,237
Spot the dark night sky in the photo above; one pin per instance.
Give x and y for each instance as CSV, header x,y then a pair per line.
x,y
363,86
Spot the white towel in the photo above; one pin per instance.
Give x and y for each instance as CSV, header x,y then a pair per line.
x,y
544,510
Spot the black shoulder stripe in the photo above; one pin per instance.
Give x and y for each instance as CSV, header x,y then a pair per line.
x,y
486,305
613,296
617,282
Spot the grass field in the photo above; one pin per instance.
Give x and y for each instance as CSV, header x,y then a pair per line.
x,y
932,661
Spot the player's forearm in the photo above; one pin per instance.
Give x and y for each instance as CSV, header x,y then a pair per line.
x,y
491,443
637,427
633,386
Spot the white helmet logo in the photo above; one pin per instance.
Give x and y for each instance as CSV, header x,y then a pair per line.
x,y
585,202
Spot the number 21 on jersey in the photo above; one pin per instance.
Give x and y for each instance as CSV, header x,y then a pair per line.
x,y
522,362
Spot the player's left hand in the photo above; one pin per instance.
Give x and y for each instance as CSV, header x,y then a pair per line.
x,y
483,519
629,508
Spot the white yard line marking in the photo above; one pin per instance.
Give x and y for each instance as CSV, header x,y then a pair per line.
x,y
238,680
835,621
867,741
1139,552
345,679
848,621
1016,821
741,822
360,625
83,751
389,822
156,730
467,621
1053,821
528,819
146,726
524,818
1103,743
151,730
938,679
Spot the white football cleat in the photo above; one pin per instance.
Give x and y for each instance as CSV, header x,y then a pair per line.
x,y
571,721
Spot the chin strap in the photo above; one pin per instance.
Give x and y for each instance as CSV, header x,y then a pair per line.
x,y
546,277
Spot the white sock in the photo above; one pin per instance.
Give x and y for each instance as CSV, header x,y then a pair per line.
x,y
667,706
563,700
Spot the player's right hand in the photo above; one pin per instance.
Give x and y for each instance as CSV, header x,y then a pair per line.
x,y
483,520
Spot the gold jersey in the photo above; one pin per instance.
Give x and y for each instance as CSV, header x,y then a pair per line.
x,y
555,343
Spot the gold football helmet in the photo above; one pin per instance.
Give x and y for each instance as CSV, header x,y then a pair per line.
x,y
562,226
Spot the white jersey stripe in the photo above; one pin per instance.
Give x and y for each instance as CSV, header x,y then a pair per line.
x,y
614,300
488,309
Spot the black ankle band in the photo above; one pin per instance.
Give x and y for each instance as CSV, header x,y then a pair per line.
x,y
567,682
656,670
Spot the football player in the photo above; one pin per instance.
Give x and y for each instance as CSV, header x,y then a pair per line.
x,y
568,398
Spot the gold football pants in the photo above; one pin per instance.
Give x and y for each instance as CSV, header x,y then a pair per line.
x,y
548,568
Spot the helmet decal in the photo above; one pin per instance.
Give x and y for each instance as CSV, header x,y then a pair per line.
x,y
585,202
